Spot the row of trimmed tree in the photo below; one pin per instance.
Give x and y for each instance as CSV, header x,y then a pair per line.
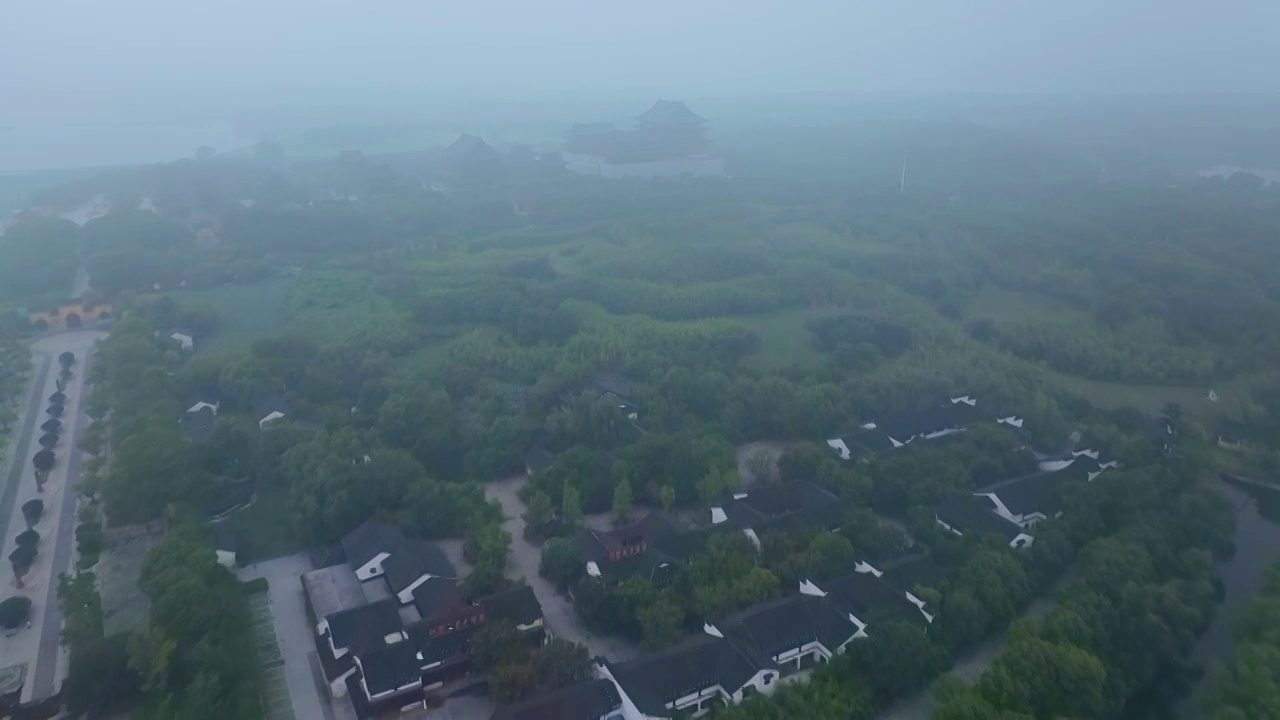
x,y
24,556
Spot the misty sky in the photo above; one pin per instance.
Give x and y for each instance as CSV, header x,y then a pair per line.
x,y
130,48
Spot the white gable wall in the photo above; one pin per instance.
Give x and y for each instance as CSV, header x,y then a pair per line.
x,y
338,687
373,568
1001,509
863,566
406,596
765,682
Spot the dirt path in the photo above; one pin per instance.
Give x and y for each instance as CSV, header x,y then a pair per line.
x,y
557,610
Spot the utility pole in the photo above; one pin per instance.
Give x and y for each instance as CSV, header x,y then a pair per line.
x,y
902,184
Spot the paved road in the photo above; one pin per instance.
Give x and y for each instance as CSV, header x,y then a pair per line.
x,y
18,450
557,610
44,678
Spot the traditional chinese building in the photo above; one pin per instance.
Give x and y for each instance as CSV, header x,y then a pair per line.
x,y
668,140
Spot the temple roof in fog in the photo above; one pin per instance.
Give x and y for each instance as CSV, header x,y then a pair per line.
x,y
670,112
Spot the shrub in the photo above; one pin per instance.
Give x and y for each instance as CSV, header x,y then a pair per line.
x,y
14,611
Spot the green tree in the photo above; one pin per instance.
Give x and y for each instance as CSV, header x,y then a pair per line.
x,y
14,611
571,505
897,658
827,555
511,682
560,563
716,484
27,538
31,511
539,511
667,497
496,644
100,678
661,622
562,663
1043,679
622,500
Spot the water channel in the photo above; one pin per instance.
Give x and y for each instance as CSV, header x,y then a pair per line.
x,y
1257,543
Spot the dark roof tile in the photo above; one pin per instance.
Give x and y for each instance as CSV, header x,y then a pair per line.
x,y
364,628
969,514
517,606
369,540
653,680
441,648
438,598
391,667
413,559
870,599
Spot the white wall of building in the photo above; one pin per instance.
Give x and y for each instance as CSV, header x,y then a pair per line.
x,y
373,568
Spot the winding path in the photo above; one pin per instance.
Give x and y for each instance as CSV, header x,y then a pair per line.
x,y
557,610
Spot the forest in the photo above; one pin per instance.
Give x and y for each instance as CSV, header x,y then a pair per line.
x,y
420,344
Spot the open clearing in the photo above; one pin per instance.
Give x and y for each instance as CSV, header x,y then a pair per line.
x,y
124,606
997,303
1148,398
245,311
784,339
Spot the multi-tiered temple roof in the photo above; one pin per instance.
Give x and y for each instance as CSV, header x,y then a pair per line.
x,y
667,131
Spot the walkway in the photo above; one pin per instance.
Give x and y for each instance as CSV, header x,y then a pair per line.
x,y
1242,480
40,647
557,610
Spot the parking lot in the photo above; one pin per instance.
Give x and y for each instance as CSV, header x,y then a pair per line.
x,y
283,609
277,705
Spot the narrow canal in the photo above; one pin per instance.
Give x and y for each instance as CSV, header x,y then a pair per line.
x,y
1257,543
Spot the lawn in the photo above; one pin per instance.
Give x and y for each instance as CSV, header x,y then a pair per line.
x,y
262,530
328,306
996,303
784,339
1148,398
337,306
245,311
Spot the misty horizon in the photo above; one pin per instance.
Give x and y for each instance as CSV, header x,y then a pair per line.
x,y
144,81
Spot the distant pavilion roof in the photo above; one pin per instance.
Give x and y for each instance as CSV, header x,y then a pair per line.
x,y
670,112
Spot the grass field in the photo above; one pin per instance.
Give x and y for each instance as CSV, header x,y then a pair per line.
x,y
336,306
326,306
1148,398
784,339
999,304
246,311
